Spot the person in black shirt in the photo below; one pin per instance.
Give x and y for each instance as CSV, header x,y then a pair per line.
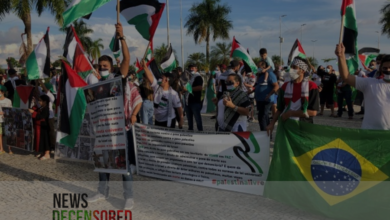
x,y
193,101
12,83
329,80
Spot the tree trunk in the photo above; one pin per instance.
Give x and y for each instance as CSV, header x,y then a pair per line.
x,y
208,47
26,18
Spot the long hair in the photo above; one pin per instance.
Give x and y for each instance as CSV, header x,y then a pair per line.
x,y
147,88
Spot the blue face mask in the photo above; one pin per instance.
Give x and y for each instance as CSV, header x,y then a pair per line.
x,y
327,70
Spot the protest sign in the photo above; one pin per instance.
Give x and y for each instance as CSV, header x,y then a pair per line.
x,y
105,107
18,128
231,161
83,149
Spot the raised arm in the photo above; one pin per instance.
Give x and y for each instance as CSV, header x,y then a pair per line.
x,y
124,66
342,63
148,74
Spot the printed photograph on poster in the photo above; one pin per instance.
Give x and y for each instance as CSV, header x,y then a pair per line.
x,y
18,128
20,139
11,139
28,140
73,153
61,150
85,148
86,126
109,159
103,91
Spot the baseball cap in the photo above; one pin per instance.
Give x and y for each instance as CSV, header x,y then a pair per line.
x,y
11,71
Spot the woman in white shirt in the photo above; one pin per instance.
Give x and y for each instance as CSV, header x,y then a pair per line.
x,y
4,102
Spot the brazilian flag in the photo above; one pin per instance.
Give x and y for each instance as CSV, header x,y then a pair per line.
x,y
337,172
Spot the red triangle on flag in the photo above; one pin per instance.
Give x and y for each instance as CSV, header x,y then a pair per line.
x,y
75,80
300,48
235,45
24,92
81,64
244,134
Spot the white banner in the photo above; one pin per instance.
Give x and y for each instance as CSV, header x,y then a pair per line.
x,y
231,161
105,106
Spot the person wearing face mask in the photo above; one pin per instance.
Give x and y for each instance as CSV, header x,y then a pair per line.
x,y
233,68
328,80
376,92
234,107
249,83
299,98
375,73
194,101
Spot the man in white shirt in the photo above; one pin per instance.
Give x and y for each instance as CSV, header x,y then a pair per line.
x,y
376,92
166,100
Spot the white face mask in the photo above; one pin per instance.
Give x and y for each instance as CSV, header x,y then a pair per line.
x,y
104,72
327,70
293,74
230,88
386,77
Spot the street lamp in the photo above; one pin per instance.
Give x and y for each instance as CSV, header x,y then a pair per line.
x,y
314,46
379,35
280,37
302,30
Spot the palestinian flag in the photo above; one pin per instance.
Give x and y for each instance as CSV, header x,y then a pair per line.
x,y
152,66
80,8
367,54
248,139
341,173
296,51
73,107
81,64
144,14
115,46
168,62
38,63
348,14
70,46
239,51
22,97
149,53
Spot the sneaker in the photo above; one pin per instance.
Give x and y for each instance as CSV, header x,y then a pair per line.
x,y
129,203
96,198
133,169
264,83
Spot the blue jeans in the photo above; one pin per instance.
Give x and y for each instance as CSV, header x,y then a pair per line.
x,y
147,111
127,179
347,95
263,108
193,110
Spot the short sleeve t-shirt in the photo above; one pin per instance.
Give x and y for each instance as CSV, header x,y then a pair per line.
x,y
269,62
4,103
376,103
250,80
161,112
329,81
91,79
52,99
262,91
195,97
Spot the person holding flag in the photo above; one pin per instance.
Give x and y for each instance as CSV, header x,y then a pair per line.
x,y
376,91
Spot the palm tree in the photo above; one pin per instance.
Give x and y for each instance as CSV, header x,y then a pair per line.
x,y
327,60
221,52
277,61
198,59
82,31
385,19
94,49
160,52
23,9
313,61
208,19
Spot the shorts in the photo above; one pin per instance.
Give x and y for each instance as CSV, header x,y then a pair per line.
x,y
274,99
326,97
1,128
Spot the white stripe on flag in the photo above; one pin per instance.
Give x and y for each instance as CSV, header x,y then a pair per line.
x,y
74,2
132,12
71,51
40,55
169,62
70,96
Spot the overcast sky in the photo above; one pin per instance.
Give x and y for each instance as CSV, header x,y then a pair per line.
x,y
255,24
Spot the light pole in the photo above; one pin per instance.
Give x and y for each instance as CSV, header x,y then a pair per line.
x,y
379,35
181,34
260,41
302,30
280,37
314,46
168,23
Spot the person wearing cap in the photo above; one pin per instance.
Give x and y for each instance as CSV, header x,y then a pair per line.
x,y
299,98
166,100
13,81
4,102
194,100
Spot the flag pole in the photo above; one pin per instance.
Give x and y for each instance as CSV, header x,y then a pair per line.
x,y
117,12
341,30
146,51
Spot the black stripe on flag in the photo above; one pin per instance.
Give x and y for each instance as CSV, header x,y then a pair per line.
x,y
116,44
134,3
167,55
68,40
155,70
46,69
64,123
349,41
369,50
290,56
88,16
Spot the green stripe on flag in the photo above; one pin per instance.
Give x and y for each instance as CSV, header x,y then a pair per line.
x,y
239,54
32,67
141,24
80,8
16,101
255,144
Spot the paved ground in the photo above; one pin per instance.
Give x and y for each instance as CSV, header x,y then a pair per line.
x,y
27,186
